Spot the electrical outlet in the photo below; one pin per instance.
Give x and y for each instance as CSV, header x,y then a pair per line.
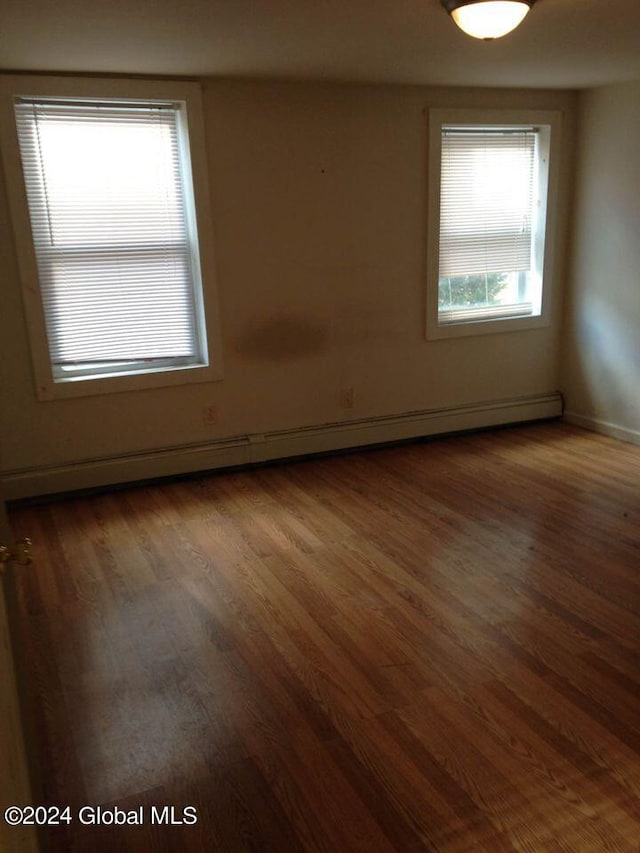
x,y
210,415
346,398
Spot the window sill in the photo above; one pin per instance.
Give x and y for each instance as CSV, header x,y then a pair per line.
x,y
461,329
90,386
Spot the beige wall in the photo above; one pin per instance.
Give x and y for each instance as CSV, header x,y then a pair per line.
x,y
319,205
601,372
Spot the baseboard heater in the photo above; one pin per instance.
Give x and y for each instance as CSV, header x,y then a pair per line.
x,y
255,448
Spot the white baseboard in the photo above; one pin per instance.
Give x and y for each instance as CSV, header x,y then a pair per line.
x,y
249,449
604,427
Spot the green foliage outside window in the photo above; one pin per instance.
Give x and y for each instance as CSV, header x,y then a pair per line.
x,y
470,290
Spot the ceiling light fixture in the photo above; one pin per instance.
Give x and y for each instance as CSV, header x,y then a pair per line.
x,y
487,19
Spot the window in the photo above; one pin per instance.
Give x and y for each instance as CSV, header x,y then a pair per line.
x,y
488,217
113,219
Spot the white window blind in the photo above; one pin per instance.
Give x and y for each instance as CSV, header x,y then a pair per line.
x,y
113,234
486,222
486,201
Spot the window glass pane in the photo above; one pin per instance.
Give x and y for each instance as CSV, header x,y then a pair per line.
x,y
109,178
107,205
486,215
115,306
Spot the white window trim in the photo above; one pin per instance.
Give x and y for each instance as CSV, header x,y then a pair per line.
x,y
487,117
35,86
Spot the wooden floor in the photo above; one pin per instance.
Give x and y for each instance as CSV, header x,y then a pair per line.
x,y
431,647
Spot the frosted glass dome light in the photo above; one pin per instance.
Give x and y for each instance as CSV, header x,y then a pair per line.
x,y
487,19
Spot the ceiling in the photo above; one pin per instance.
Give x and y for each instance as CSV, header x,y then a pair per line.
x,y
561,44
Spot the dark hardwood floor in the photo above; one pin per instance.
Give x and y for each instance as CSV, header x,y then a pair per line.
x,y
431,647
